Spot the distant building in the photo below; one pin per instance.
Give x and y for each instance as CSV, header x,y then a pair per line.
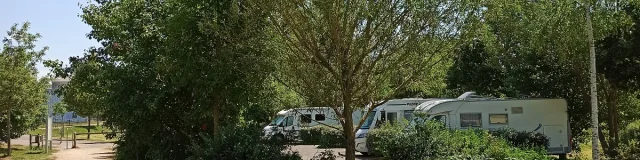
x,y
53,99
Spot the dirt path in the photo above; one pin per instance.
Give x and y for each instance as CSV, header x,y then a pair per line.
x,y
87,150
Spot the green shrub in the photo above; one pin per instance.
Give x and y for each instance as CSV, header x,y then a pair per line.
x,y
396,142
240,143
631,132
630,141
324,136
522,139
432,140
377,138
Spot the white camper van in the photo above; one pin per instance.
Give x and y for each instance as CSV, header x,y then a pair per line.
x,y
392,111
546,116
288,123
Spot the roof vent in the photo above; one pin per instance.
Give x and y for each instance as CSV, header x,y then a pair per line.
x,y
468,95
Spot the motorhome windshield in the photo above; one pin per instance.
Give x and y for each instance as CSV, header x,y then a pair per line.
x,y
368,121
276,121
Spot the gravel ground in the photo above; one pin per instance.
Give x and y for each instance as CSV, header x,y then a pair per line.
x,y
309,151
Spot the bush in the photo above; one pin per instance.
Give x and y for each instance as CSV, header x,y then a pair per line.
x,y
432,140
376,138
325,155
324,136
397,143
630,141
240,143
522,139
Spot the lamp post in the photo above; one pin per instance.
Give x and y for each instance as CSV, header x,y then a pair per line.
x,y
48,142
49,125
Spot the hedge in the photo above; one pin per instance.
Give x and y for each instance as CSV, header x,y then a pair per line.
x,y
324,136
432,141
522,139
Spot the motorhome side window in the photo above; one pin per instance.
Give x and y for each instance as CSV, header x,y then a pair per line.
x,y
289,121
320,117
470,120
498,118
440,118
305,118
408,115
392,117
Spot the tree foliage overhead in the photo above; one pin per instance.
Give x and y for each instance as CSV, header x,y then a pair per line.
x,y
348,54
538,49
21,93
168,71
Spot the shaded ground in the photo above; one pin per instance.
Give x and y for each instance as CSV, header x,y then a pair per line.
x,y
309,151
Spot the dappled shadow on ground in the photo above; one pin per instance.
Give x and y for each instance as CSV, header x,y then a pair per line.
x,y
105,155
96,143
367,157
4,149
310,151
87,127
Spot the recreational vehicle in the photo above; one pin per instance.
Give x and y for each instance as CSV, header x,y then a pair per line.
x,y
546,116
392,111
288,123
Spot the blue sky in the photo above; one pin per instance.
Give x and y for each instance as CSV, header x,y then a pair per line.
x,y
56,20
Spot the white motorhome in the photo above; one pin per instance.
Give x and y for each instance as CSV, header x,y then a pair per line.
x,y
392,111
546,116
288,123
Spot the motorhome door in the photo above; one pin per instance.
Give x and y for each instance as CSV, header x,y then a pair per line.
x,y
288,127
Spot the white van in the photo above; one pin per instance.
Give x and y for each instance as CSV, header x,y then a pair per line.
x,y
392,111
288,123
546,116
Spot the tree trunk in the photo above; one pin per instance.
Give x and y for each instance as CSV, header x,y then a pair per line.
x,y
603,140
613,129
349,134
607,145
88,127
593,86
9,132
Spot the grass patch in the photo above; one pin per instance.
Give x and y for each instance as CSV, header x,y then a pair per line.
x,y
69,130
19,152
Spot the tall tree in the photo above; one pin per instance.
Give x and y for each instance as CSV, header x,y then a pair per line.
x,y
82,95
593,82
21,93
174,68
348,54
537,46
476,69
618,64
